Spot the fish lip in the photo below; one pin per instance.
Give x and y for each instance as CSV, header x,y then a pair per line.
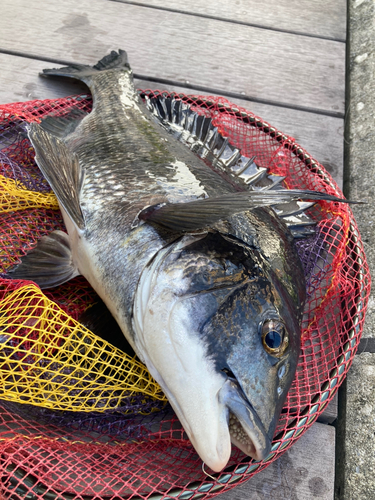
x,y
258,444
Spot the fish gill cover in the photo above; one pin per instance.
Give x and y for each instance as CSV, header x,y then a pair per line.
x,y
80,419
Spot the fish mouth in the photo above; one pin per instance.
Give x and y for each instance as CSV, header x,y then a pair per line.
x,y
245,427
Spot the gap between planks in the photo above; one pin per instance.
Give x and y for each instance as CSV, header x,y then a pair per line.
x,y
306,471
324,19
261,65
48,43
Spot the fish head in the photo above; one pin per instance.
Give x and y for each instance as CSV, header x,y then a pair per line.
x,y
221,335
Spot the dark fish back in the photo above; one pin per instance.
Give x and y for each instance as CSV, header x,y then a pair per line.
x,y
128,159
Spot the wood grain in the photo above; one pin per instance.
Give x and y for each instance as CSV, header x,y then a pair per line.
x,y
305,472
268,71
260,64
320,18
320,135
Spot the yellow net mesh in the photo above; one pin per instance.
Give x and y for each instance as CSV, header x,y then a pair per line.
x,y
51,360
13,196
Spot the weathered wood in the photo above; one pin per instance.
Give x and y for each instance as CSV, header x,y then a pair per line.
x,y
20,81
270,66
305,472
321,18
320,135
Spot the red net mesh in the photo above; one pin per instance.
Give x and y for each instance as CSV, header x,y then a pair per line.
x,y
126,451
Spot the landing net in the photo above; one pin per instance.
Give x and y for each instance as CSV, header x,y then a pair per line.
x,y
79,418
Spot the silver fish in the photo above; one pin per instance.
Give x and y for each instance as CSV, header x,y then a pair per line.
x,y
200,274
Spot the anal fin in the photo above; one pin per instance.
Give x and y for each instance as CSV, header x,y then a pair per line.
x,y
49,264
61,169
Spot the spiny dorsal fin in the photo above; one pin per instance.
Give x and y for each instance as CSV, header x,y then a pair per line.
x,y
61,169
198,214
49,264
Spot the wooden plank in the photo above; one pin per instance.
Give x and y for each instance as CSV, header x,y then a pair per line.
x,y
320,135
20,81
264,65
321,18
305,472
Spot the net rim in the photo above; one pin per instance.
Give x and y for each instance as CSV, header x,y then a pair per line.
x,y
234,474
329,388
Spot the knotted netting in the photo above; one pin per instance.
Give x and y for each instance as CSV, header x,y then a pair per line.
x,y
80,418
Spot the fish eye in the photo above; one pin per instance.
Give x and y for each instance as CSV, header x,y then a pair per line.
x,y
274,337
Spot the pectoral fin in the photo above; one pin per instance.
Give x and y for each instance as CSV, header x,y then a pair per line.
x,y
198,214
49,264
61,169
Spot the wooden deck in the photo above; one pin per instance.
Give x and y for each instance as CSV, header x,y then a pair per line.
x,y
283,60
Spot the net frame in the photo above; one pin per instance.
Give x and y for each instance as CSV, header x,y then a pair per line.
x,y
235,474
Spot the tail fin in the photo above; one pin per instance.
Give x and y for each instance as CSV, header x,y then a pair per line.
x,y
114,60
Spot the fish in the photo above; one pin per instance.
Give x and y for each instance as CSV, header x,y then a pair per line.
x,y
199,270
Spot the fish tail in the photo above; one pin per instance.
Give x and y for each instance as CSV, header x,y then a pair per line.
x,y
114,60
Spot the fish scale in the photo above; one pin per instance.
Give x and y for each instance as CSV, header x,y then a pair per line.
x,y
104,142
201,275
